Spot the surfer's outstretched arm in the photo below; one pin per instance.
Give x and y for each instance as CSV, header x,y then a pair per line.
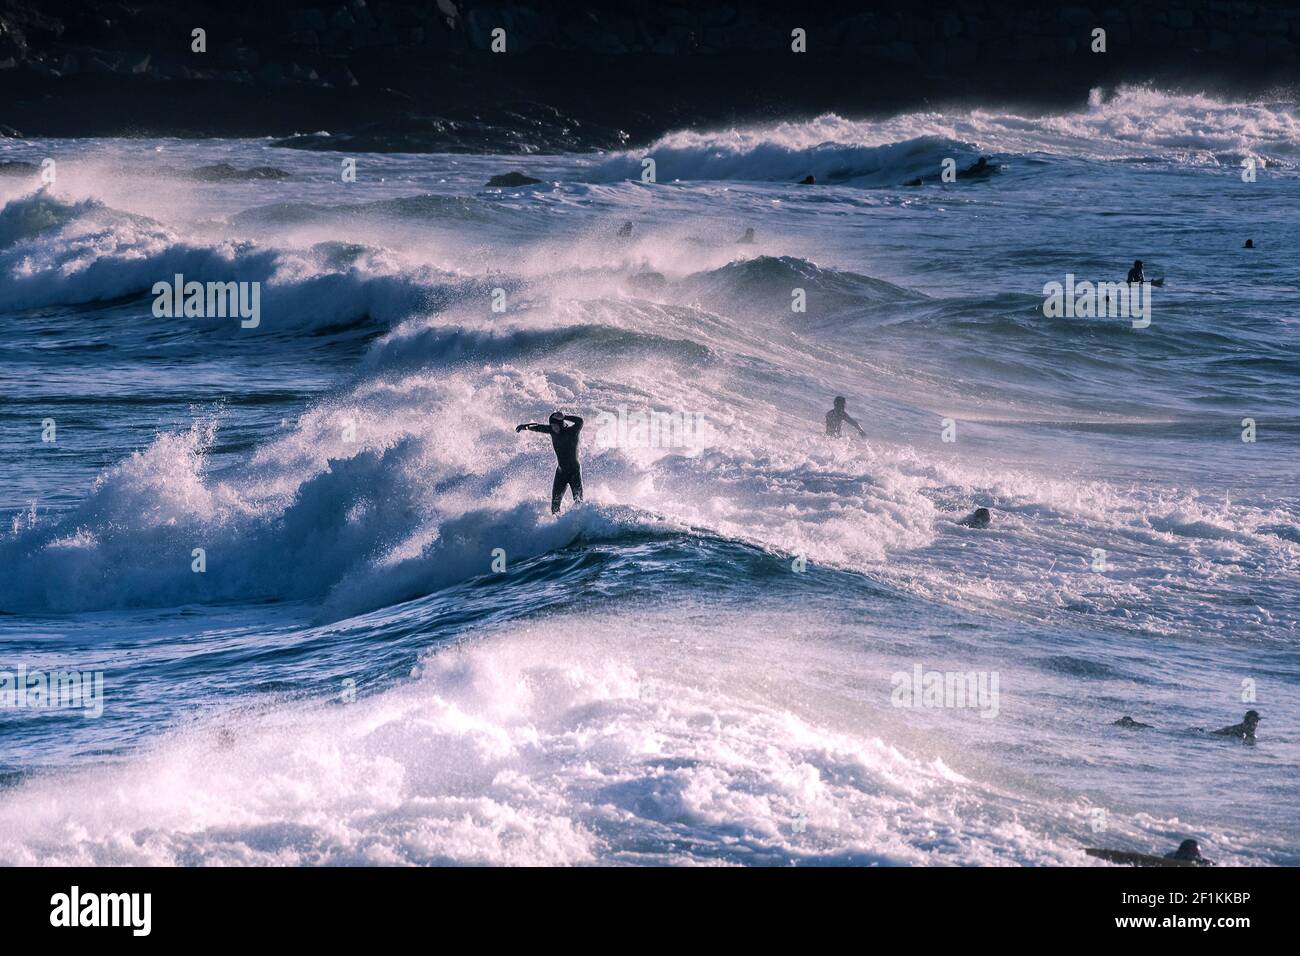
x,y
532,427
848,418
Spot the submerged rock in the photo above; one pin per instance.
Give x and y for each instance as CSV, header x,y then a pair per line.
x,y
225,173
513,179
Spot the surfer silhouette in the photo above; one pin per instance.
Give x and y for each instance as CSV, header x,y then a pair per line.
x,y
1190,851
1136,274
564,439
1245,730
979,518
836,418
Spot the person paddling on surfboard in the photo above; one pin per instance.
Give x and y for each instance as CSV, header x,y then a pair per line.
x,y
1136,274
837,416
564,439
1245,730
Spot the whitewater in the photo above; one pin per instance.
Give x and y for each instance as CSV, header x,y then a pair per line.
x,y
395,655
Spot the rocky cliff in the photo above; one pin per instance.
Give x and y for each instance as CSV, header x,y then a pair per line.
x,y
390,74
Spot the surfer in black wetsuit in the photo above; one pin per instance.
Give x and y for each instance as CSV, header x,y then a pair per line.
x,y
1136,274
1190,851
1245,730
837,416
564,439
979,518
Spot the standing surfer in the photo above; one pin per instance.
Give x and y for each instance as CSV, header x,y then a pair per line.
x,y
564,439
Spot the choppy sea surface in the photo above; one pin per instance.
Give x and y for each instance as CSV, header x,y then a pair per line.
x,y
699,664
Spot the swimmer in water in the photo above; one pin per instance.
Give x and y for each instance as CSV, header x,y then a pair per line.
x,y
979,518
1190,851
837,417
1244,730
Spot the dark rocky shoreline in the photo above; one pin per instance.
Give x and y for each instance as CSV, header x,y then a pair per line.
x,y
390,75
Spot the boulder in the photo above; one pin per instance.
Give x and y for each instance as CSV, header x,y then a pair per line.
x,y
513,179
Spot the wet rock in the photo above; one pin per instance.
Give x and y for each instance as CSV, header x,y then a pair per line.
x,y
225,173
513,179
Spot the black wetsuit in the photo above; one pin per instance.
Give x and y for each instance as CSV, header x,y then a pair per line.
x,y
835,418
1244,730
1191,852
568,473
1136,275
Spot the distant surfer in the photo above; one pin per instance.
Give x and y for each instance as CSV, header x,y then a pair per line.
x,y
837,417
1190,851
976,169
564,431
1250,244
1244,730
748,238
1136,274
1187,854
625,230
808,180
1131,723
979,518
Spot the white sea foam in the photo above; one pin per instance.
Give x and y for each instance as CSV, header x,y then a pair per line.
x,y
575,741
1130,123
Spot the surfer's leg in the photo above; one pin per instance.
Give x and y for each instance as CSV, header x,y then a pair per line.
x,y
557,490
575,482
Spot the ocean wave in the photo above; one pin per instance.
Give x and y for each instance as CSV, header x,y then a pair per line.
x,y
73,253
28,216
1130,123
764,285
446,340
425,206
574,740
747,156
358,533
